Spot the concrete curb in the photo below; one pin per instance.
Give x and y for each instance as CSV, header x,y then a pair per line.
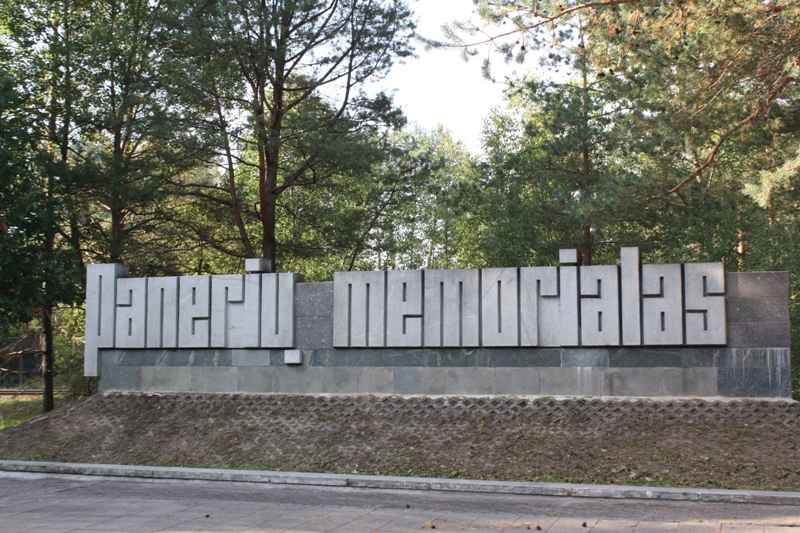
x,y
405,483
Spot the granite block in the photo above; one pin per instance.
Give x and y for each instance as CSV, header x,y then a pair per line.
x,y
584,357
755,358
340,379
516,381
633,382
758,334
571,381
755,382
432,380
255,379
314,299
758,309
645,357
302,379
692,382
250,357
376,380
757,285
470,380
166,379
405,380
313,333
214,379
120,378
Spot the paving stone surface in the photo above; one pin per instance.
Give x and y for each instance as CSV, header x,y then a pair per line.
x,y
62,504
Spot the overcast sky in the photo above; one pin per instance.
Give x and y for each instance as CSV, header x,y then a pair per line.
x,y
438,86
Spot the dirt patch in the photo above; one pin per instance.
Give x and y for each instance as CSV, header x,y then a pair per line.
x,y
745,444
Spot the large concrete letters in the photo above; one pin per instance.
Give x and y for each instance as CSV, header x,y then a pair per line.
x,y
229,311
565,306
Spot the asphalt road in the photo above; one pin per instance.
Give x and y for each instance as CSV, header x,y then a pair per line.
x,y
60,504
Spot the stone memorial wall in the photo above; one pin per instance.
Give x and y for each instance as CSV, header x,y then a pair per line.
x,y
681,330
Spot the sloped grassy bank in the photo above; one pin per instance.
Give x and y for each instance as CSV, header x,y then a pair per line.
x,y
743,444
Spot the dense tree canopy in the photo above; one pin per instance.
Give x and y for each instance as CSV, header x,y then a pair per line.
x,y
182,136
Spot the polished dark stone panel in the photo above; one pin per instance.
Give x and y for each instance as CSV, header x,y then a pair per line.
x,y
518,357
759,334
645,357
757,285
755,358
701,357
120,378
758,309
584,357
177,357
754,382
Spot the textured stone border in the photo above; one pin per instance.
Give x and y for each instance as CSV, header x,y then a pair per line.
x,y
405,483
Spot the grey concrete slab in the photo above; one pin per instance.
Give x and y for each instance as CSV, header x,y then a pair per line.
x,y
633,382
690,382
340,379
522,381
255,379
406,380
433,381
578,381
376,380
215,379
296,379
469,380
166,379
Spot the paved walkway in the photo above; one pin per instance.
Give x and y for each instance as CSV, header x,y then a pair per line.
x,y
61,503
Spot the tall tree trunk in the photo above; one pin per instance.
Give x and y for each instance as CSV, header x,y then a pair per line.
x,y
48,364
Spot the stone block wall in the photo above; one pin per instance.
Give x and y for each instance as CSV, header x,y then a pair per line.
x,y
754,363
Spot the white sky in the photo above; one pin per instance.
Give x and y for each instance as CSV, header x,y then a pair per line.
x,y
438,86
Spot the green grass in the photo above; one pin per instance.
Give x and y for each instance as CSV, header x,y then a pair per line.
x,y
15,411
